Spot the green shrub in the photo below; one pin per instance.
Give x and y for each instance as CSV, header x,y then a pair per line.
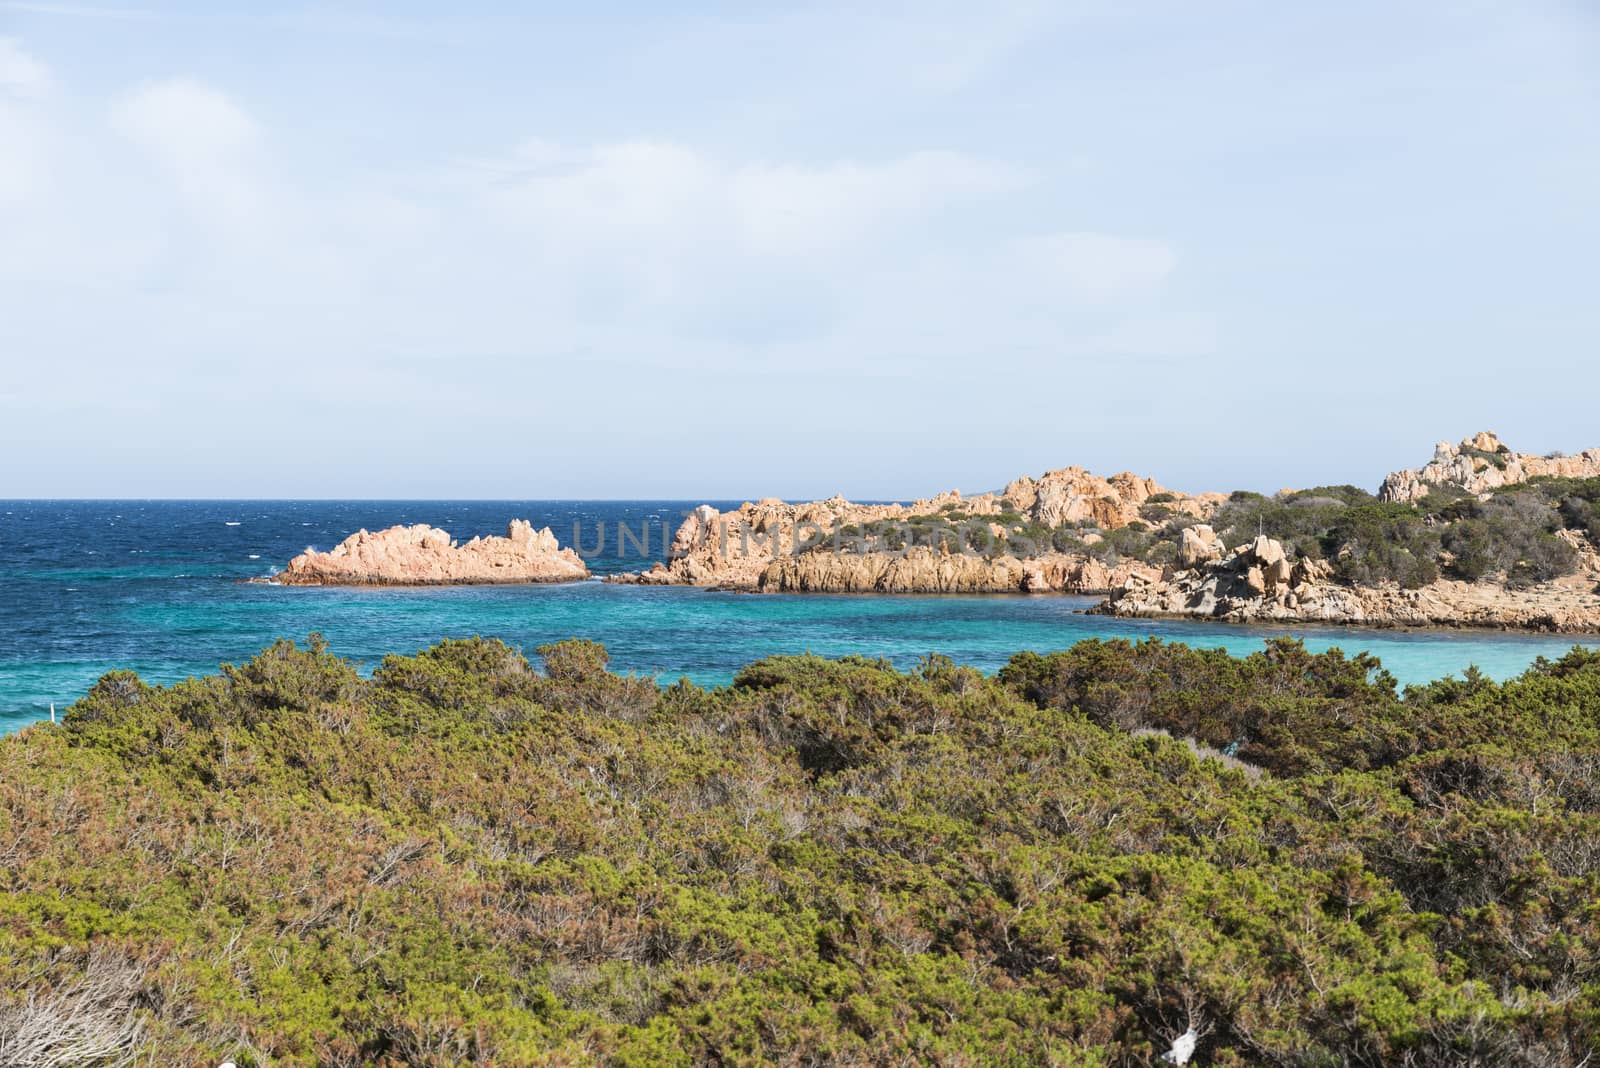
x,y
461,861
574,659
1496,458
1373,543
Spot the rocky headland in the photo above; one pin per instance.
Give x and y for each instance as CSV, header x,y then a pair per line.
x,y
1260,582
827,546
1263,581
421,555
1479,536
1469,492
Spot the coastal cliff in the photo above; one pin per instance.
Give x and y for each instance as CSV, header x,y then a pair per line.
x,y
835,545
421,555
923,570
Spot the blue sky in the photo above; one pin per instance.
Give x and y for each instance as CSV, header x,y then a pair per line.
x,y
731,250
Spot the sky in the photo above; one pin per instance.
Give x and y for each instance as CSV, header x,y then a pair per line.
x,y
678,250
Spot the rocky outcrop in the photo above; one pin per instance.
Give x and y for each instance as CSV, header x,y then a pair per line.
x,y
1480,465
426,556
1073,495
1260,583
806,542
733,549
1074,573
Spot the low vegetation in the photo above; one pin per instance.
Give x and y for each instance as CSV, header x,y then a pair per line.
x,y
463,860
1515,536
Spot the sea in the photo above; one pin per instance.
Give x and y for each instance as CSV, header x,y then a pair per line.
x,y
163,588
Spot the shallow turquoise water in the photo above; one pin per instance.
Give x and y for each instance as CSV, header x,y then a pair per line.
x,y
158,587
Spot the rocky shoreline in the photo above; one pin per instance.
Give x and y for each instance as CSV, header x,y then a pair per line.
x,y
924,570
918,570
1160,557
763,547
1258,583
421,555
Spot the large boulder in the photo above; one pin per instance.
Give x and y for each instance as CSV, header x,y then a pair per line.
x,y
1197,546
1278,573
1265,551
1255,580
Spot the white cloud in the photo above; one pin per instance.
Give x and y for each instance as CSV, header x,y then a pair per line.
x,y
22,154
639,191
681,242
207,146
653,191
21,75
788,208
25,141
1097,267
221,254
185,121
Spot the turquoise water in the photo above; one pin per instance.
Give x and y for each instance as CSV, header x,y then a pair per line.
x,y
159,587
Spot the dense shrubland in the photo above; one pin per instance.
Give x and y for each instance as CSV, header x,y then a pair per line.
x,y
462,860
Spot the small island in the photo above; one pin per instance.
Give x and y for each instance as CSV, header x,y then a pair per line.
x,y
421,555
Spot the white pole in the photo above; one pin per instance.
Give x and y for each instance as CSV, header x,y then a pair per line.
x,y
52,711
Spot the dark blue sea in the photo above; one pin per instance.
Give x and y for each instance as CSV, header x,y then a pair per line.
x,y
161,587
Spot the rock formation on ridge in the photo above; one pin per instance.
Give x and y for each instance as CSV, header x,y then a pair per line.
x,y
1481,464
